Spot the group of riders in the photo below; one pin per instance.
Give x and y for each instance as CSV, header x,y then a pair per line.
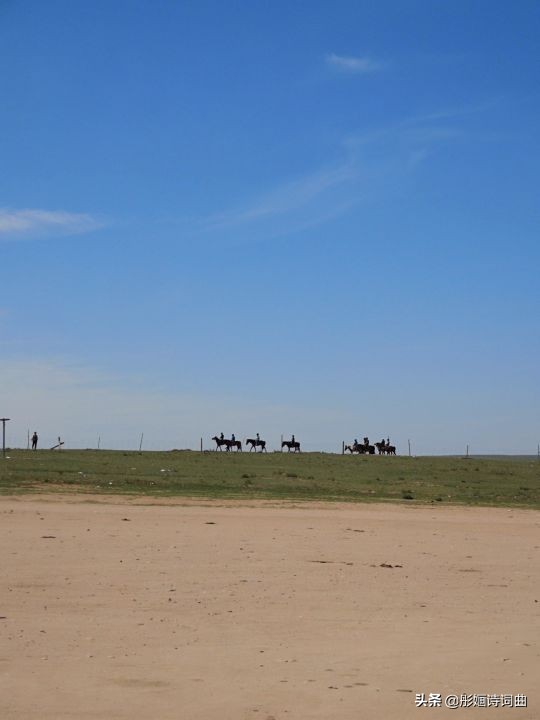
x,y
231,443
384,447
255,443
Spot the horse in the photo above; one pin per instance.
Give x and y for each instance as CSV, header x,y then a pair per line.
x,y
361,449
236,444
254,443
222,441
291,444
385,449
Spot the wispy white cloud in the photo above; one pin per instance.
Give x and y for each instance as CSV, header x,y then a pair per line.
x,y
31,222
369,163
354,65
288,198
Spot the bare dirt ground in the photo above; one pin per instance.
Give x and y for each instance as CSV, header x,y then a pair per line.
x,y
205,611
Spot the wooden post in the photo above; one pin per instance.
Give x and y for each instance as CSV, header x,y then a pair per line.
x,y
201,445
409,447
140,444
343,447
4,421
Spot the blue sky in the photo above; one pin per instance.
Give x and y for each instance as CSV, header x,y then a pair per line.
x,y
312,218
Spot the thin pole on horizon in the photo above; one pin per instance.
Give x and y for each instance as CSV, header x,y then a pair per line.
x,y
467,451
98,441
28,439
201,445
140,444
343,447
538,451
4,421
281,446
409,447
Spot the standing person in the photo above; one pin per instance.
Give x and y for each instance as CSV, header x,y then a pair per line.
x,y
34,441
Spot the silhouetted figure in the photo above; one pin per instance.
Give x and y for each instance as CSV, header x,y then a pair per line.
x,y
222,436
292,439
233,438
34,441
258,437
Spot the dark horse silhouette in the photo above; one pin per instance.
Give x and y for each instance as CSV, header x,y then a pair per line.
x,y
222,441
385,449
228,444
254,443
361,448
295,445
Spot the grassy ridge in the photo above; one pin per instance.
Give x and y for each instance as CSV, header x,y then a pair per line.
x,y
310,476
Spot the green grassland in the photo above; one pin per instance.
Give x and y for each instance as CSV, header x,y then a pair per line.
x,y
494,481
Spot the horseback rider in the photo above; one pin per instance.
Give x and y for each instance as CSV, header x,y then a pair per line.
x,y
258,437
366,441
293,440
222,436
383,444
233,438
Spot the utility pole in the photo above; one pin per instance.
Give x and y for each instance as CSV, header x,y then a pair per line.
x,y
4,421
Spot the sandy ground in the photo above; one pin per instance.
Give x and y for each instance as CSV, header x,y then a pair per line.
x,y
179,611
